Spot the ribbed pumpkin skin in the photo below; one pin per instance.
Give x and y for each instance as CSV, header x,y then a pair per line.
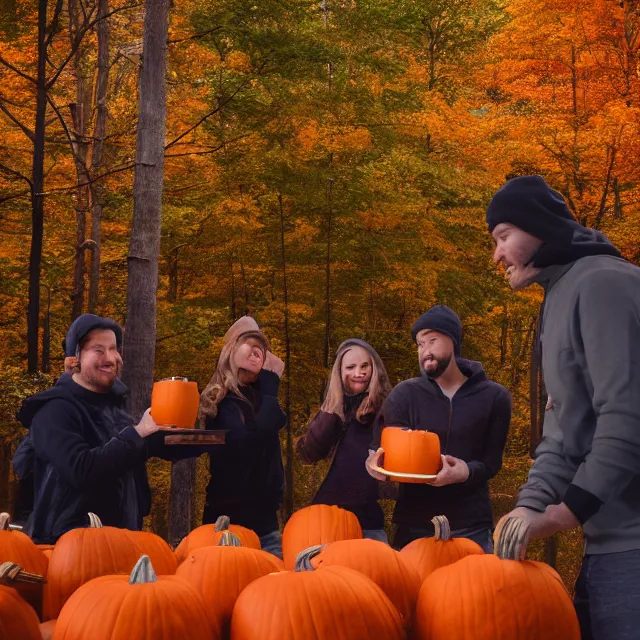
x,y
482,597
410,451
18,620
17,547
380,563
429,554
109,608
317,524
219,574
46,549
207,536
334,603
83,554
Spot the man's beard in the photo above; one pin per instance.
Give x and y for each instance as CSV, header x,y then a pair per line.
x,y
441,367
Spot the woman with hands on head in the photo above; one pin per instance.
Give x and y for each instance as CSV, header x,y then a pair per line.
x,y
247,476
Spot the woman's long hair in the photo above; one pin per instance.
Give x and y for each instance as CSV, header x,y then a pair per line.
x,y
378,390
225,378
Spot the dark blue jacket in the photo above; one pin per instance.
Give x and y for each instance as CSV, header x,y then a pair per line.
x,y
86,456
472,426
247,476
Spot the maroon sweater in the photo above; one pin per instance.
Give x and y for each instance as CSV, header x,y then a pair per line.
x,y
347,484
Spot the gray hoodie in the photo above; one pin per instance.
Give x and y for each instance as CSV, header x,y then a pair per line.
x,y
589,457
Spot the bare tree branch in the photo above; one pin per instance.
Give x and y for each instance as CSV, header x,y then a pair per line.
x,y
27,132
66,131
86,26
214,111
15,196
195,36
204,153
16,174
16,70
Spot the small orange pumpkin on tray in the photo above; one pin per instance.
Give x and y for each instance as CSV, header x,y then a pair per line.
x,y
175,402
410,455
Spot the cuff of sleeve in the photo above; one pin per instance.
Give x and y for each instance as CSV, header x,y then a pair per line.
x,y
531,503
132,437
581,503
269,383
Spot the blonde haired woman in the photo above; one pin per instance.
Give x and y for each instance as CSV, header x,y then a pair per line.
x,y
247,476
343,430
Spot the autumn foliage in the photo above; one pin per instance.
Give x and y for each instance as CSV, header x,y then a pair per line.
x,y
355,144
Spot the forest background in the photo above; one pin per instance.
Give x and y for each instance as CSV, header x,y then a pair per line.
x,y
327,167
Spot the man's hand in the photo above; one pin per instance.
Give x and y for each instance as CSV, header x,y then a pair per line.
x,y
453,470
147,425
375,460
273,363
556,518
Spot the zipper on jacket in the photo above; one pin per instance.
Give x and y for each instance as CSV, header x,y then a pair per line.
x,y
446,446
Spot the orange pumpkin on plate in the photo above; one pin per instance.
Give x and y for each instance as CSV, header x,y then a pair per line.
x,y
175,402
410,451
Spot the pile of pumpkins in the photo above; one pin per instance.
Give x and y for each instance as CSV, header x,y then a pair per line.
x,y
104,583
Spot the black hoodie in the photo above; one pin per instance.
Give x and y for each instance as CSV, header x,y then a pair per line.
x,y
472,426
87,458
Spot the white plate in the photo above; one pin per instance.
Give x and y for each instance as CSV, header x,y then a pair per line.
x,y
398,474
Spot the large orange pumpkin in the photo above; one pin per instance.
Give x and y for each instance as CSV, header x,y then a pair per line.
x,y
220,573
175,401
482,597
142,606
209,535
18,620
410,451
377,561
18,548
317,524
429,554
83,554
335,603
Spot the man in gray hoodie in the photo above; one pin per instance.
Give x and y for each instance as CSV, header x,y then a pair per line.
x,y
587,467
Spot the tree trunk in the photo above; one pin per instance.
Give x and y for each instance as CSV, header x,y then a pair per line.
x,y
80,111
288,500
37,203
327,330
144,246
99,133
46,335
183,479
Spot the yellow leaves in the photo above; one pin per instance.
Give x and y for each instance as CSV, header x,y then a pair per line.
x,y
313,138
239,62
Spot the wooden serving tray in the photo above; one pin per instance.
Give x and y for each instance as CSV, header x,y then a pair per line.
x,y
193,436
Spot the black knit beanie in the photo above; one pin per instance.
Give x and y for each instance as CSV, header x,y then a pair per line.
x,y
443,320
82,325
532,205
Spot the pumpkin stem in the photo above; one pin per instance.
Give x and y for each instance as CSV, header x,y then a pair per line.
x,y
222,523
304,558
442,528
5,521
229,539
11,574
512,539
143,572
94,521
